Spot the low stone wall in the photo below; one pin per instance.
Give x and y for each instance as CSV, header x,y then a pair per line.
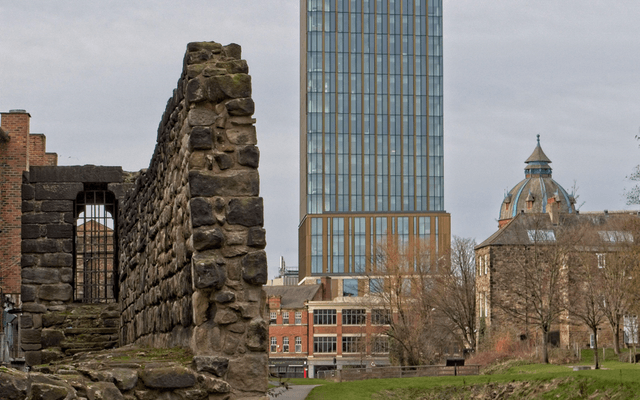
x,y
192,260
122,374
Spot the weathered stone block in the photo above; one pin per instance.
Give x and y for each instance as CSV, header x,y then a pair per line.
x,y
34,308
58,191
26,321
201,138
225,317
52,337
76,173
28,293
249,156
125,378
33,357
223,160
212,47
257,335
249,372
208,238
42,218
49,392
245,212
240,107
28,206
209,272
242,135
254,268
234,66
225,297
57,206
257,237
28,260
104,391
31,231
52,319
233,50
40,275
57,260
233,86
201,117
57,292
66,275
214,365
213,385
201,212
196,90
28,192
232,183
31,336
168,377
60,231
40,246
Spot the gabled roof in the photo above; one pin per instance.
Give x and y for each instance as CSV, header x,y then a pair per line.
x,y
524,226
292,296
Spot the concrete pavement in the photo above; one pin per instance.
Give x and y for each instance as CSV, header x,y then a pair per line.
x,y
297,392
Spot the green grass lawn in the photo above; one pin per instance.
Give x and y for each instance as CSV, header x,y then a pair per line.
x,y
615,381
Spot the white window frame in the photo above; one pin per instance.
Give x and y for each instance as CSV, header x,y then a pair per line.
x,y
298,340
285,344
273,317
285,318
274,344
298,317
602,260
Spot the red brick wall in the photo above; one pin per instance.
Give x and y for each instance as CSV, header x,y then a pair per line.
x,y
16,155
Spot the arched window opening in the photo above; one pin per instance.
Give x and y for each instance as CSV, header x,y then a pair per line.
x,y
95,245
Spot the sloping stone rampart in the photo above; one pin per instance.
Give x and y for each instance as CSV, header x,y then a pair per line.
x,y
192,260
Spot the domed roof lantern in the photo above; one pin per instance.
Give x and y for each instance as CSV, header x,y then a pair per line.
x,y
537,192
538,164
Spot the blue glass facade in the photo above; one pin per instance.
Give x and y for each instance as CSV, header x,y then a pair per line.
x,y
372,120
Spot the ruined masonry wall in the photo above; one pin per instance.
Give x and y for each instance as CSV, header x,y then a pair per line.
x,y
192,260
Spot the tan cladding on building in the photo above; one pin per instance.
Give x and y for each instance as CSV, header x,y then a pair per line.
x,y
360,235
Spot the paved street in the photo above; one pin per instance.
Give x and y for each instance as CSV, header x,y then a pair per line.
x,y
298,392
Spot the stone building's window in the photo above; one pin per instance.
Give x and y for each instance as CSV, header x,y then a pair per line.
x,y
380,345
273,315
380,317
95,246
274,344
285,344
285,318
298,317
351,344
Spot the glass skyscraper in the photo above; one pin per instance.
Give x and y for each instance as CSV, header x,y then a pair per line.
x,y
371,131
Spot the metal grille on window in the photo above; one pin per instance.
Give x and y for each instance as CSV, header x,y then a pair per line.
x,y
95,249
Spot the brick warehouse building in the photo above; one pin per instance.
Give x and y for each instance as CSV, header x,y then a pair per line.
x,y
19,149
315,327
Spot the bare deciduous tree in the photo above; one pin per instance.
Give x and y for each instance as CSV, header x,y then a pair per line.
x,y
453,293
400,283
585,305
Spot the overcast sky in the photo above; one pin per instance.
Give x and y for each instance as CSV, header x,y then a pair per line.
x,y
96,76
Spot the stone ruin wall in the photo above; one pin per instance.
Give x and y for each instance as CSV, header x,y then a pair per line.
x,y
51,324
192,260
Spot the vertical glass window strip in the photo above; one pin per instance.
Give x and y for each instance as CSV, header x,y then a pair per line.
x,y
436,172
403,232
358,252
285,344
298,318
337,247
316,246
